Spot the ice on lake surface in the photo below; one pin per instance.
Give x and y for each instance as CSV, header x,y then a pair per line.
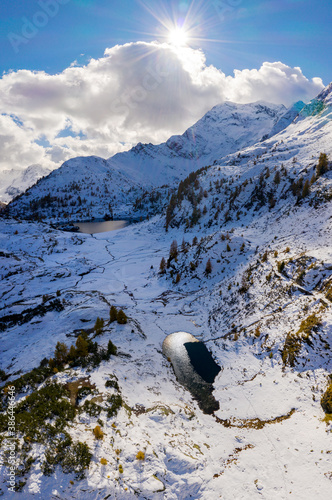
x,y
101,227
194,367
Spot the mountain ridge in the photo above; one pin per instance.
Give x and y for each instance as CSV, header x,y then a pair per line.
x,y
225,129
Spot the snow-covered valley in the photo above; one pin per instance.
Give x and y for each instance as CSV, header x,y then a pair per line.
x,y
262,217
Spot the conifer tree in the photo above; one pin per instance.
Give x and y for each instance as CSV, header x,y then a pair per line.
x,y
81,346
51,363
208,267
322,166
99,325
276,179
122,318
113,314
195,216
61,353
72,353
264,257
173,251
306,189
162,265
111,348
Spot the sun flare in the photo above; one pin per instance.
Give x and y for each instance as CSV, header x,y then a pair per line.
x,y
178,36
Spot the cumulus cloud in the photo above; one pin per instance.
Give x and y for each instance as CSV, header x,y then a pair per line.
x,y
136,92
274,82
17,144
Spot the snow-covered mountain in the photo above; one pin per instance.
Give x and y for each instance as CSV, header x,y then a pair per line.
x,y
15,181
250,276
287,118
225,129
102,185
320,105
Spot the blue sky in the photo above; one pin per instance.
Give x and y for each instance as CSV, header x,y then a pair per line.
x,y
245,32
95,77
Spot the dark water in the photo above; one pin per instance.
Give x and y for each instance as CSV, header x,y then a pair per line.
x,y
194,368
101,227
202,361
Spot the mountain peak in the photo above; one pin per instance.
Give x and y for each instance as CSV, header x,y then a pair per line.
x,y
224,129
319,104
326,94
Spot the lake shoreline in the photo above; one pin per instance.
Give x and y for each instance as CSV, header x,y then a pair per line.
x,y
100,225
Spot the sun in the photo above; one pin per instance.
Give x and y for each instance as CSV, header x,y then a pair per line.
x,y
178,36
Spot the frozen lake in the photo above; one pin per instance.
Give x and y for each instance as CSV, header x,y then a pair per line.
x,y
194,367
101,227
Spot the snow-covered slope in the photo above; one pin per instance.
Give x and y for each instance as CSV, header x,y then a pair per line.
x,y
117,182
15,181
287,118
263,307
225,129
83,188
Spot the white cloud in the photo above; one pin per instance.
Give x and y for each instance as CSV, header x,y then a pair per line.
x,y
273,82
137,92
17,146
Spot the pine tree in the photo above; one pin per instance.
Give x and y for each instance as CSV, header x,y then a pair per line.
x,y
276,179
281,266
297,187
72,353
208,267
99,325
306,189
228,248
195,216
111,348
264,257
81,346
313,179
173,251
122,318
113,314
162,265
60,353
195,240
51,363
322,166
